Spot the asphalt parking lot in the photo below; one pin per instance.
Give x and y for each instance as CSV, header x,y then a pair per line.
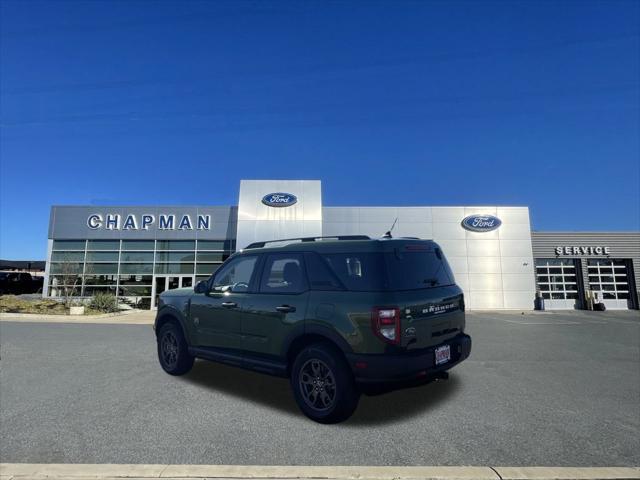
x,y
538,389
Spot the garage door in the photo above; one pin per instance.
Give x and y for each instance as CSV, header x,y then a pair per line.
x,y
610,280
557,282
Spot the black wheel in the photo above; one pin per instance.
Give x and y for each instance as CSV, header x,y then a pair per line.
x,y
323,385
173,351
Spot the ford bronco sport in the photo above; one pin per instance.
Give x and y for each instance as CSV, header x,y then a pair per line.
x,y
338,316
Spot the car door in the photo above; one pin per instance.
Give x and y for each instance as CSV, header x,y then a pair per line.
x,y
216,315
278,307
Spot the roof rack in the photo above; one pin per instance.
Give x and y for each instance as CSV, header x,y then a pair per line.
x,y
308,239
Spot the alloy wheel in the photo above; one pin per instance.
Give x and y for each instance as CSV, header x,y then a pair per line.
x,y
169,345
317,384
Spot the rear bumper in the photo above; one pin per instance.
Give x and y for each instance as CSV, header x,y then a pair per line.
x,y
380,369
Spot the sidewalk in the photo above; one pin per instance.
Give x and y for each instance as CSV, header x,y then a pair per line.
x,y
18,471
127,317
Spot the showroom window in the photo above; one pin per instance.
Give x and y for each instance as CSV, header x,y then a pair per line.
x,y
126,268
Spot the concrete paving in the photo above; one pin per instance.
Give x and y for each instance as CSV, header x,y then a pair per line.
x,y
553,389
137,471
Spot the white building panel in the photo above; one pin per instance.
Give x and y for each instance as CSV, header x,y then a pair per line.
x,y
518,300
486,300
483,248
462,280
516,248
513,215
448,231
484,264
514,231
406,228
415,214
447,214
453,248
479,211
522,265
340,214
260,222
386,215
482,235
458,265
512,282
485,282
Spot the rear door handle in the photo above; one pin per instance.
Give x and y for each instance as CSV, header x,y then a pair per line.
x,y
286,309
229,304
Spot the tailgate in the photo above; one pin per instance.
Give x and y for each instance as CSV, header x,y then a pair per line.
x,y
430,316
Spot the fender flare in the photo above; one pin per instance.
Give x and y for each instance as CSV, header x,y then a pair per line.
x,y
318,330
170,311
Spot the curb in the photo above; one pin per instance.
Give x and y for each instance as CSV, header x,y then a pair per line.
x,y
25,471
132,317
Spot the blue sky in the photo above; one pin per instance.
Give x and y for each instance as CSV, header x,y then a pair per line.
x,y
388,103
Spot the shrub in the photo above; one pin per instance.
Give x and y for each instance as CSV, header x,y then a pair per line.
x,y
104,302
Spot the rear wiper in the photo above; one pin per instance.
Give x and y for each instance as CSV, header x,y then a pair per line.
x,y
432,281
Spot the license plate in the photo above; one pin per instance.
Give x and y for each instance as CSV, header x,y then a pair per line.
x,y
443,354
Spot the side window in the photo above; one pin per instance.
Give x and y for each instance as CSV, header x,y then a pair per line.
x,y
283,273
236,275
320,276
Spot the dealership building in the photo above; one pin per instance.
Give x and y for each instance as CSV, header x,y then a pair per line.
x,y
138,252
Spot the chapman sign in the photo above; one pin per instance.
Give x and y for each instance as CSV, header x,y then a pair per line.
x,y
481,223
144,222
588,250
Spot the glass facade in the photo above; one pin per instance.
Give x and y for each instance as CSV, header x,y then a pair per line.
x,y
127,268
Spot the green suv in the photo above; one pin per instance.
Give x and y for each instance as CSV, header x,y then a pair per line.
x,y
338,316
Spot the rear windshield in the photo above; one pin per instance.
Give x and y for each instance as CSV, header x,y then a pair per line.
x,y
402,269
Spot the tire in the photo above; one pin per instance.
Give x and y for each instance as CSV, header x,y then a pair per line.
x,y
173,351
323,384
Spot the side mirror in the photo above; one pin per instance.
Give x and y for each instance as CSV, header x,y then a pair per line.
x,y
201,287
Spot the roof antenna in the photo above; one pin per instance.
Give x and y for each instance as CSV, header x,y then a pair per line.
x,y
388,234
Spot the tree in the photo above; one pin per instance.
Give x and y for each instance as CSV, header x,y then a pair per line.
x,y
67,278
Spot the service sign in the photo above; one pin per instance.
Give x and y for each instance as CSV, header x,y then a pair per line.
x,y
583,250
481,223
279,199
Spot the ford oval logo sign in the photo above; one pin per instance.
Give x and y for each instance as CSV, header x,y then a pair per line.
x,y
481,223
279,199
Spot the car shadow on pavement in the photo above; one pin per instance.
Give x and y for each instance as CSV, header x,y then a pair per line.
x,y
275,393
403,404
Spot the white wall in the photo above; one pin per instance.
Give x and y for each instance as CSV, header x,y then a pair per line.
x,y
495,269
259,222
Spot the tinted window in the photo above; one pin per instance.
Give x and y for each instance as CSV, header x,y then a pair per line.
x,y
411,269
283,274
406,268
320,275
176,245
138,244
236,274
68,244
363,272
103,245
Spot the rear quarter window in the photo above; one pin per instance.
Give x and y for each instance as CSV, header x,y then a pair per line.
x,y
405,268
361,272
415,269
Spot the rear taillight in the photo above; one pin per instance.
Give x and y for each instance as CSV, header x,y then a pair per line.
x,y
385,322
